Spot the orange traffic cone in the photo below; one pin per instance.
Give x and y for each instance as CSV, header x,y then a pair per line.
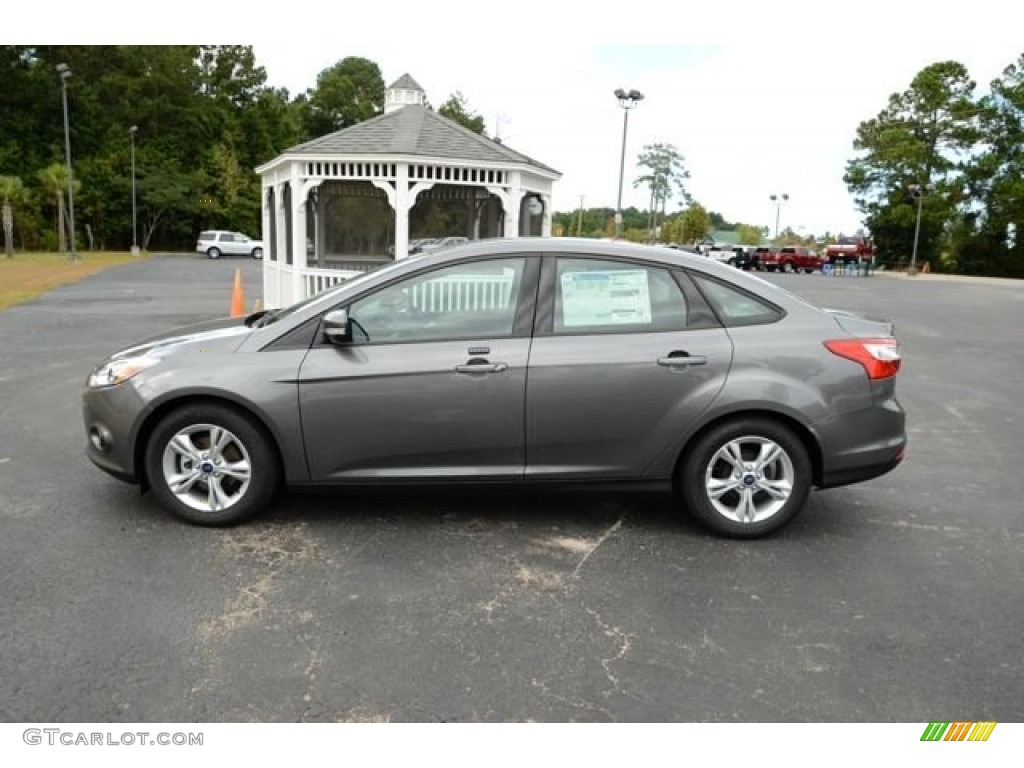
x,y
237,297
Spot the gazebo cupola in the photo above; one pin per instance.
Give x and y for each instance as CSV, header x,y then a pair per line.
x,y
403,92
346,202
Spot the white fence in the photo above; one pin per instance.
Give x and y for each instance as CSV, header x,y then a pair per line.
x,y
464,293
317,280
285,284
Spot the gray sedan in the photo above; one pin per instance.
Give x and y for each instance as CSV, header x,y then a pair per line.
x,y
508,362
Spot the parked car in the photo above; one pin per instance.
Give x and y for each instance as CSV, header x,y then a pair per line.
x,y
757,254
743,258
647,367
791,259
433,246
216,243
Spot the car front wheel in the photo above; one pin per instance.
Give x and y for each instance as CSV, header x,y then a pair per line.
x,y
746,478
211,465
213,253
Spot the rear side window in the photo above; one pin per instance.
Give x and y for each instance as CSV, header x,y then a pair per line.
x,y
596,296
734,306
207,235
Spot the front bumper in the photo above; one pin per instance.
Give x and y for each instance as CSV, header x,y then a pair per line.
x,y
111,416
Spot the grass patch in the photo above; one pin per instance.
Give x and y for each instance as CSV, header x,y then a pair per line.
x,y
29,275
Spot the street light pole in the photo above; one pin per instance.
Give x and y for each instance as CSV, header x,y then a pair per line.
x,y
916,190
778,200
627,100
65,74
135,230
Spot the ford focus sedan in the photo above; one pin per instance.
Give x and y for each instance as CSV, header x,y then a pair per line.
x,y
512,362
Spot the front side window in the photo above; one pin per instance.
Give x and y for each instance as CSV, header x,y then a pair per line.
x,y
466,301
596,296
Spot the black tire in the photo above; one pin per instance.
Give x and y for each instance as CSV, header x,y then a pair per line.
x,y
787,267
213,253
257,253
704,465
249,445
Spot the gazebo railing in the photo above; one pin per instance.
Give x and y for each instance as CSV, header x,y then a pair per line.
x,y
463,293
458,293
316,280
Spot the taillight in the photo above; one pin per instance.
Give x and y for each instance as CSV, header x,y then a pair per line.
x,y
880,357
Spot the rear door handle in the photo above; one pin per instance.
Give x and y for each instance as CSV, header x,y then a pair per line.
x,y
682,360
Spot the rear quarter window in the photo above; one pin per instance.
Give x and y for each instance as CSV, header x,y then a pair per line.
x,y
735,306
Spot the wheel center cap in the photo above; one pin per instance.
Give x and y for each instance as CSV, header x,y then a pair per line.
x,y
749,479
206,467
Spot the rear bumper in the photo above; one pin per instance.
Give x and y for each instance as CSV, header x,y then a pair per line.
x,y
863,445
860,474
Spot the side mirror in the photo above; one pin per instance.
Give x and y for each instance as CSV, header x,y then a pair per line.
x,y
337,327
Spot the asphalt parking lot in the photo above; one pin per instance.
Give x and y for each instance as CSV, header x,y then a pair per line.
x,y
894,600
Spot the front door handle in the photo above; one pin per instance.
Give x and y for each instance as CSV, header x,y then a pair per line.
x,y
681,360
481,365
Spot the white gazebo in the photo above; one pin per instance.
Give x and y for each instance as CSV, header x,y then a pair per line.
x,y
342,204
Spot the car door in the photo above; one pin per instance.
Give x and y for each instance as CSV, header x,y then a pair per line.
x,y
626,356
431,384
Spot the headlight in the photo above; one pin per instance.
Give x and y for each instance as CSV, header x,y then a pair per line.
x,y
119,371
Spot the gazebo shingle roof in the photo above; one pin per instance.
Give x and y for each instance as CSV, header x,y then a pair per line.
x,y
406,82
415,131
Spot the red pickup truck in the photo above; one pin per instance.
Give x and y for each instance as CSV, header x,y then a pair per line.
x,y
791,258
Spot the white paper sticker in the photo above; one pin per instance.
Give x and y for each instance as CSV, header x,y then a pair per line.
x,y
605,297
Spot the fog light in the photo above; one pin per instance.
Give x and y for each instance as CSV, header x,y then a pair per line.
x,y
100,438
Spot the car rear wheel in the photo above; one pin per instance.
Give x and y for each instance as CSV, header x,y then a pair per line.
x,y
746,478
257,253
213,253
788,267
211,465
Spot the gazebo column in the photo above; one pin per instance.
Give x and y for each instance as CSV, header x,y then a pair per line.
x,y
280,242
266,217
512,202
545,222
300,191
401,206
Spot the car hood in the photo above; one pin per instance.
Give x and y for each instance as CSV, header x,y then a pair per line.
x,y
223,334
861,325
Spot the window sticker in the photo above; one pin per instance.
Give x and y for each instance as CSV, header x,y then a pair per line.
x,y
605,297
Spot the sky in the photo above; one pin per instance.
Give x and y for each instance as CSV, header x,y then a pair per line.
x,y
759,98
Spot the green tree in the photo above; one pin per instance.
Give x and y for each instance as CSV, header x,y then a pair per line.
x,y
11,191
995,180
923,136
458,110
694,223
665,176
749,234
54,179
345,94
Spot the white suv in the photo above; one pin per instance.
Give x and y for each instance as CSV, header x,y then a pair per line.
x,y
216,243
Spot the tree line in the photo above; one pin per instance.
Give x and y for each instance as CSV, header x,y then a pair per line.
x,y
200,118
